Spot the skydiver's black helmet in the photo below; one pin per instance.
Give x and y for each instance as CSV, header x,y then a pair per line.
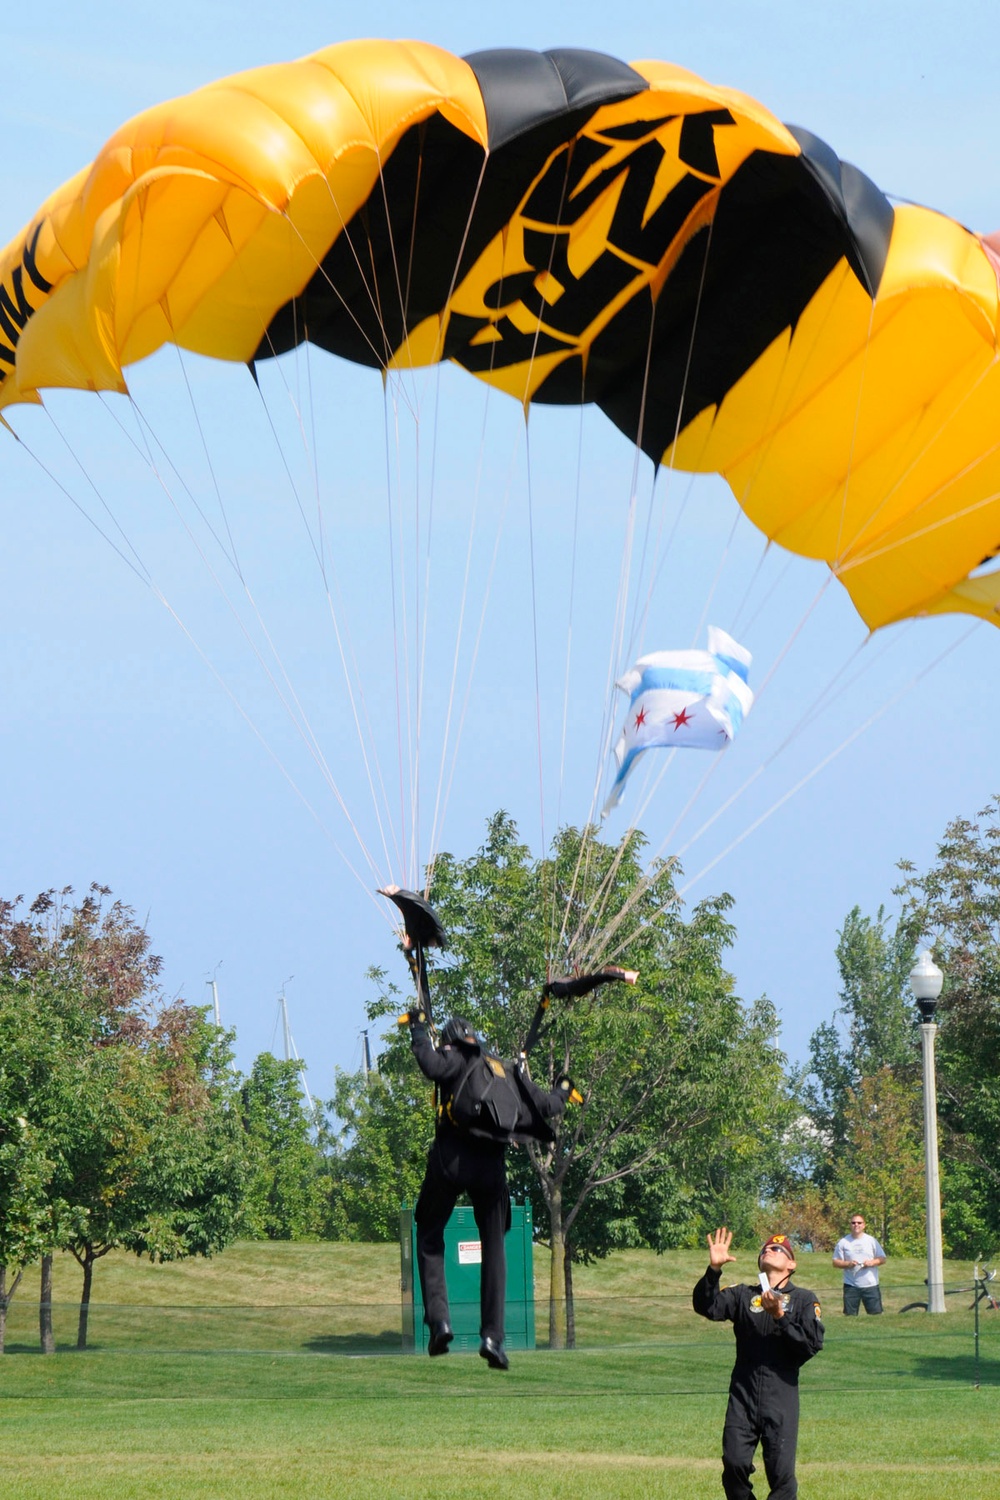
x,y
457,1030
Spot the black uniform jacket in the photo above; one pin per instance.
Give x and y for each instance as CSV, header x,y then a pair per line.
x,y
769,1351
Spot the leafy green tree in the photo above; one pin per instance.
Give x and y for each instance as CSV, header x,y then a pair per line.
x,y
882,1167
155,1164
284,1183
25,1171
872,1029
856,1139
384,1126
956,903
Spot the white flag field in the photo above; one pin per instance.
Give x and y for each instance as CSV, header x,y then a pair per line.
x,y
689,700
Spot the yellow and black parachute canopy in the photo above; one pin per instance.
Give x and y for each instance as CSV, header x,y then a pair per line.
x,y
569,228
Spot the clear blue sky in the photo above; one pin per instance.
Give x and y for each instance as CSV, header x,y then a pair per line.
x,y
122,760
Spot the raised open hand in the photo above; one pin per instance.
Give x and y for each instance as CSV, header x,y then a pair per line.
x,y
718,1248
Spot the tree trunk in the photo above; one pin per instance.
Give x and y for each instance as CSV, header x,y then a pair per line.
x,y
45,1308
88,1277
557,1273
6,1297
570,1306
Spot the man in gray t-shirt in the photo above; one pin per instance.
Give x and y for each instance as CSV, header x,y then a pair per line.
x,y
859,1256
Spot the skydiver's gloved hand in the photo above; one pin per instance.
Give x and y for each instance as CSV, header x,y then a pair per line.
x,y
417,1020
419,1027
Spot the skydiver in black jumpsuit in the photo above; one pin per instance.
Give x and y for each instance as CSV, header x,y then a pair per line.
x,y
776,1332
459,1162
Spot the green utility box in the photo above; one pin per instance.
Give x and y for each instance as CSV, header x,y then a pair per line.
x,y
462,1259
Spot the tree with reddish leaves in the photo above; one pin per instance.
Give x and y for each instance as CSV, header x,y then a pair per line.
x,y
129,1103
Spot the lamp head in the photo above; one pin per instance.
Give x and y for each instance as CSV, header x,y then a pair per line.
x,y
926,980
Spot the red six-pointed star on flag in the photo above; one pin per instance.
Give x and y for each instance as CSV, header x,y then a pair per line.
x,y
640,717
681,719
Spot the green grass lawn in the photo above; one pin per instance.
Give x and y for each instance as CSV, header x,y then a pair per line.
x,y
889,1409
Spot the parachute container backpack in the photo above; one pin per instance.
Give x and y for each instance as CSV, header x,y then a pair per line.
x,y
488,1101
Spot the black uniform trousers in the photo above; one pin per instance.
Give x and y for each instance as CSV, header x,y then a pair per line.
x,y
464,1164
762,1409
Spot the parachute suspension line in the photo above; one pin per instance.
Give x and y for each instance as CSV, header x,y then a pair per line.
x,y
607,729
534,632
355,688
319,549
141,571
570,604
814,710
671,469
569,608
396,628
598,902
403,298
715,581
487,592
378,354
768,595
296,714
931,526
531,522
424,613
440,797
811,714
287,696
769,421
135,563
441,801
829,695
444,778
414,709
531,526
233,555
338,619
849,740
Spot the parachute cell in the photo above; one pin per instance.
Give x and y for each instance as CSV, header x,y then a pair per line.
x,y
569,228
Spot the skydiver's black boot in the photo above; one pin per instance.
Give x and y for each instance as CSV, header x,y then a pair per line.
x,y
494,1354
441,1337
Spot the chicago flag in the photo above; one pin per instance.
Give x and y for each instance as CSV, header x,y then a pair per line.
x,y
695,700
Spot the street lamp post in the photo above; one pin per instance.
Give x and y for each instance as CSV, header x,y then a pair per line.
x,y
926,980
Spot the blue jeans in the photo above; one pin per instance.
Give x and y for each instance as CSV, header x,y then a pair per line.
x,y
871,1296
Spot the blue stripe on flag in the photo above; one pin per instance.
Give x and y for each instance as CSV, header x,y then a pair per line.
x,y
681,679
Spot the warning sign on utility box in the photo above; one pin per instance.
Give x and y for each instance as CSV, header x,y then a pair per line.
x,y
470,1253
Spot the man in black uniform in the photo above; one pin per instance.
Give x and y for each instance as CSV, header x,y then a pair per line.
x,y
776,1330
460,1162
